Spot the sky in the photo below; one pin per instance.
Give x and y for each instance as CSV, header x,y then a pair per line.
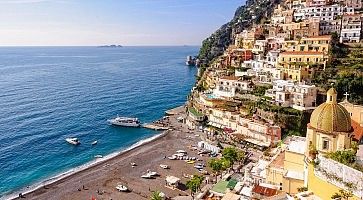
x,y
101,22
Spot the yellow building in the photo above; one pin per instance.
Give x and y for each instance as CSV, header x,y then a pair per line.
x,y
300,65
317,43
287,170
330,130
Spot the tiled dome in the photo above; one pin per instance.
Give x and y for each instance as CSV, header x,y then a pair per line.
x,y
330,116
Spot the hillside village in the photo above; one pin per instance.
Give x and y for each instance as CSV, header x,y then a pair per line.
x,y
286,92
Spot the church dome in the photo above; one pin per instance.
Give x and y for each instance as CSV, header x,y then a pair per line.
x,y
330,116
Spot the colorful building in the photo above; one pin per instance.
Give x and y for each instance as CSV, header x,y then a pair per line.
x,y
300,65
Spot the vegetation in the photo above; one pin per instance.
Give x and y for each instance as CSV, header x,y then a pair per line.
x,y
344,195
260,90
244,17
302,189
155,196
345,71
347,157
194,183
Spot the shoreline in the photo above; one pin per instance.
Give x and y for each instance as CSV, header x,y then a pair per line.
x,y
87,166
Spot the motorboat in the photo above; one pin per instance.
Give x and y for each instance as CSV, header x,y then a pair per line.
x,y
94,142
125,121
73,141
98,156
164,166
122,188
152,173
133,164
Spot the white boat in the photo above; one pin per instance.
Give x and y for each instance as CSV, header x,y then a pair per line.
x,y
152,173
73,141
133,164
164,166
122,188
98,156
125,121
94,142
147,176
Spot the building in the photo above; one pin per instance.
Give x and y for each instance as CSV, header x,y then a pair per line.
x,y
356,4
291,94
330,130
229,86
317,3
317,43
300,65
330,127
355,111
287,169
259,133
325,13
351,28
328,27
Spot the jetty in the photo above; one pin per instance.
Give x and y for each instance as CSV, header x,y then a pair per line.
x,y
155,127
175,111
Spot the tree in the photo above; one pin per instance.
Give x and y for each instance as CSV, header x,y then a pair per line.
x,y
230,154
155,196
194,183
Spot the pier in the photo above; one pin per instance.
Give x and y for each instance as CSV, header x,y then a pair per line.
x,y
175,111
155,127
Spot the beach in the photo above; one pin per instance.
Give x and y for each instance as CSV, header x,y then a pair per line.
x,y
99,181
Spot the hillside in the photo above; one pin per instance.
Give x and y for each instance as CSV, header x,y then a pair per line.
x,y
255,11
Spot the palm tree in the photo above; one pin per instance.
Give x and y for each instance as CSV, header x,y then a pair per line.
x,y
155,196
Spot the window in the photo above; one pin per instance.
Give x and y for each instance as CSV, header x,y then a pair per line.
x,y
325,144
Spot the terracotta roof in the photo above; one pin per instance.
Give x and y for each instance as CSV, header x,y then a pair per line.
x,y
279,161
265,191
302,53
358,130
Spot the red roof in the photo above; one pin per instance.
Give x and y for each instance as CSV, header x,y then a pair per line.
x,y
265,191
358,130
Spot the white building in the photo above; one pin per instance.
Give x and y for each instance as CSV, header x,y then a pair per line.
x,y
326,13
295,95
351,28
229,86
260,46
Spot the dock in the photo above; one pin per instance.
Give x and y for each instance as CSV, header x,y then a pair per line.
x,y
175,111
155,127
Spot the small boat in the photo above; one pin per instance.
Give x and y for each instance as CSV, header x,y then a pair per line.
x,y
98,156
73,141
153,173
181,152
122,188
125,121
147,176
164,166
94,142
172,157
133,164
191,162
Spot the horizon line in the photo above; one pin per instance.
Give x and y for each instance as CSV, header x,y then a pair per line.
x,y
186,45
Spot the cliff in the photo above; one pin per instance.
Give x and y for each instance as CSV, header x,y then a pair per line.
x,y
254,12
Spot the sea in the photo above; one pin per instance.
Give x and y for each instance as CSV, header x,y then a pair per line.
x,y
50,93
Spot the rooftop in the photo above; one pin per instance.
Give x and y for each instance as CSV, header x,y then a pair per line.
x,y
231,196
220,187
265,191
294,175
278,162
297,145
302,53
358,130
195,112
